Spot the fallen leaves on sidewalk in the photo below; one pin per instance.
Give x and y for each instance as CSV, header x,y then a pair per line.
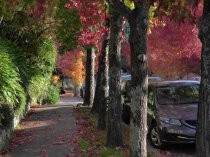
x,y
88,138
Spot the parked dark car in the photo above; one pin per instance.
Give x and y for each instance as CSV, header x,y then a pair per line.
x,y
172,111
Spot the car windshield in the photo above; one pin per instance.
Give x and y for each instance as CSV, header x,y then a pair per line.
x,y
178,94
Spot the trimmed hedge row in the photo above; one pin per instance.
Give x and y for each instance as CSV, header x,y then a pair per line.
x,y
24,81
11,91
43,66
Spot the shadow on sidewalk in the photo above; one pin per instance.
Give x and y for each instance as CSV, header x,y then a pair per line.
x,y
46,131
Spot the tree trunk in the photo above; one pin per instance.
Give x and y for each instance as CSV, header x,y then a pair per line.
x,y
95,108
102,84
101,91
103,87
203,122
102,78
89,80
114,128
139,81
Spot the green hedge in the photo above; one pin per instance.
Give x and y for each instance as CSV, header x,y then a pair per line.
x,y
12,95
42,67
53,95
37,88
10,82
31,77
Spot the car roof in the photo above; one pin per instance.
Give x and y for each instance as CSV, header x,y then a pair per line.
x,y
126,77
150,78
158,81
175,82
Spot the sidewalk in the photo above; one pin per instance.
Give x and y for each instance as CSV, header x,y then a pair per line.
x,y
47,131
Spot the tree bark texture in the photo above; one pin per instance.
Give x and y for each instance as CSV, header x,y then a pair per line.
x,y
114,128
103,84
101,91
89,79
139,82
203,122
95,107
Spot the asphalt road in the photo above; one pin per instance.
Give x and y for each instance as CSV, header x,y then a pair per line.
x,y
173,150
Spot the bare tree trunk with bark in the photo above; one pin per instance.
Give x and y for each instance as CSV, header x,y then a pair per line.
x,y
101,91
95,108
103,88
89,80
139,82
114,128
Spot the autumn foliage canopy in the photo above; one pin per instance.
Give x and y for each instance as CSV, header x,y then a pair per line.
x,y
92,17
71,65
173,49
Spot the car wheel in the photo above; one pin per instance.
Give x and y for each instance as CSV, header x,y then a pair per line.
x,y
154,136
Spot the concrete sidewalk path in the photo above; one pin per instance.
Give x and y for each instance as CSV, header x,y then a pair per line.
x,y
47,131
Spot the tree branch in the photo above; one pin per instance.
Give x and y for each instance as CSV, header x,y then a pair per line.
x,y
120,8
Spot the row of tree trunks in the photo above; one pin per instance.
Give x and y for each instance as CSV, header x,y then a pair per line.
x,y
203,123
114,130
138,24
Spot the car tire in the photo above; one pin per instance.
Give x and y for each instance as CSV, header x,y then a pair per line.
x,y
154,136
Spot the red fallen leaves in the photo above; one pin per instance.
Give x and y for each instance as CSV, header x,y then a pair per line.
x,y
43,152
59,143
87,130
21,138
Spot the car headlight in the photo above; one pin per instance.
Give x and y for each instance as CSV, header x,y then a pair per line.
x,y
171,121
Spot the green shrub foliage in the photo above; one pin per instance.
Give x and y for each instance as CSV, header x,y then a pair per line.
x,y
68,27
37,88
53,95
42,67
10,87
11,90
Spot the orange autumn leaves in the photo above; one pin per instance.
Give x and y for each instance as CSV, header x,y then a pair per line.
x,y
71,64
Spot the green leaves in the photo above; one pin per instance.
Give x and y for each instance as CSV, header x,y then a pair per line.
x,y
38,85
52,95
11,90
129,4
8,8
68,27
43,63
10,86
